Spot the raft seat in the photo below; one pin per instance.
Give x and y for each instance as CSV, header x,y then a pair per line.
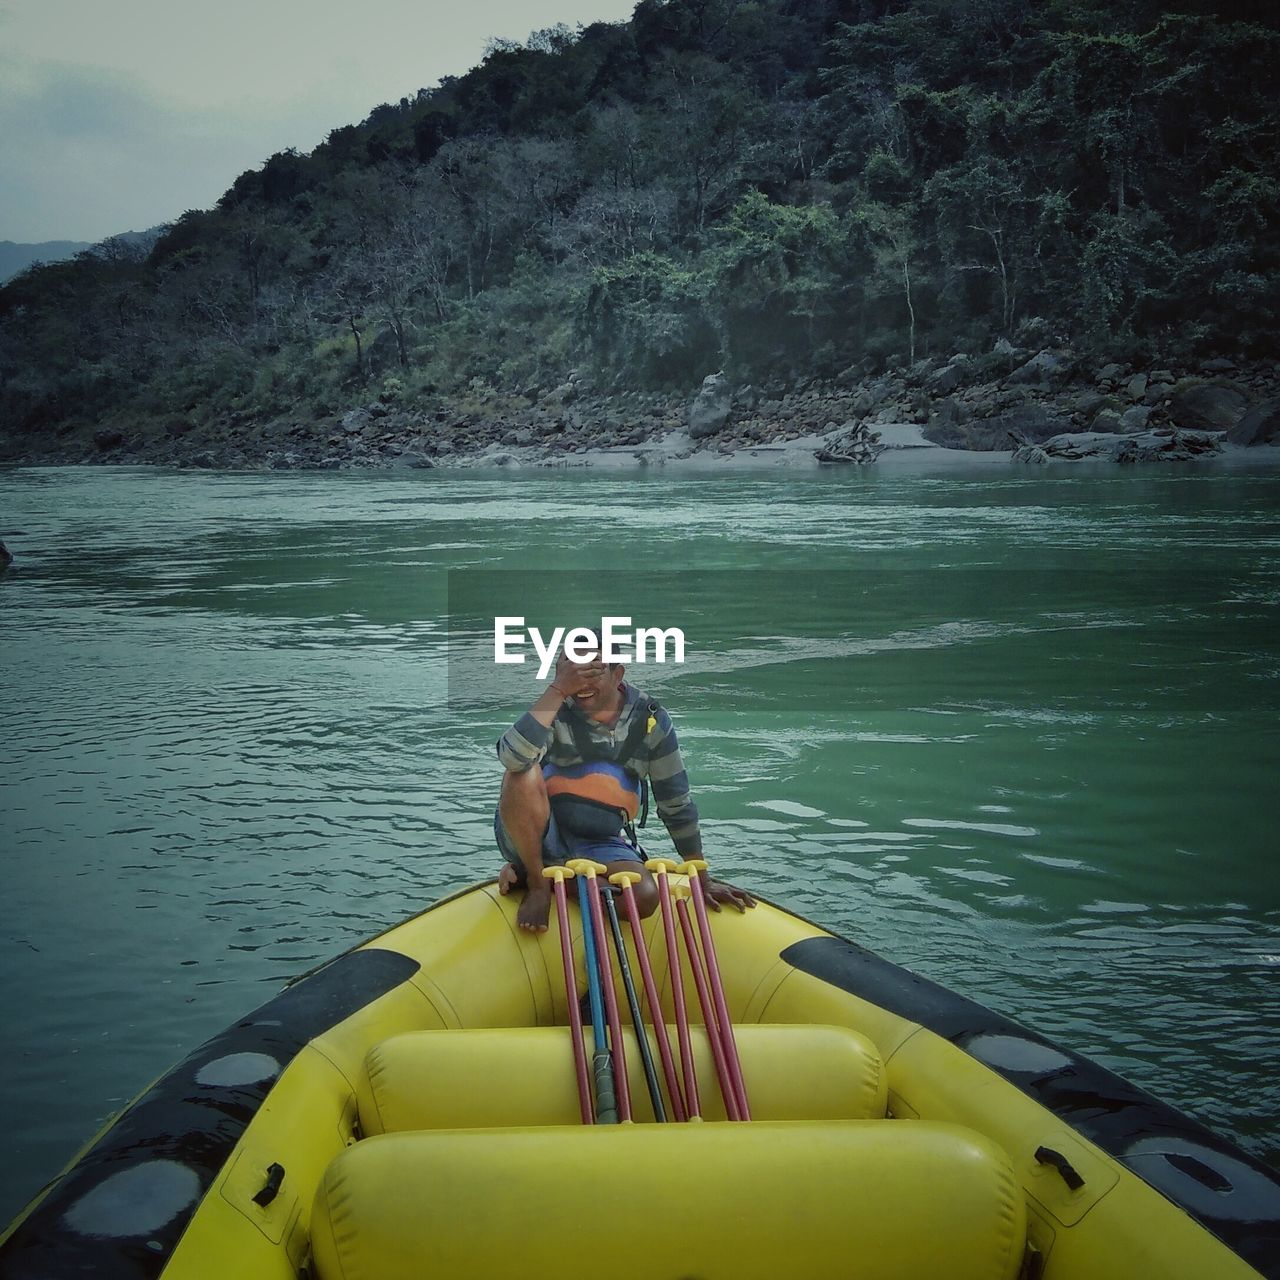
x,y
761,1201
524,1076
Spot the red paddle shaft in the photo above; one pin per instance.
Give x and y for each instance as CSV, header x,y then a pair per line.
x,y
717,992
692,1102
727,1090
651,994
571,995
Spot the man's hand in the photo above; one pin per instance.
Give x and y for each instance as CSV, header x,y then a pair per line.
x,y
716,892
572,678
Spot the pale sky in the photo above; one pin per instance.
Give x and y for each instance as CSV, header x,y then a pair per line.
x,y
116,115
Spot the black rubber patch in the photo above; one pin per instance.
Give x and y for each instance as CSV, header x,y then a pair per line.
x,y
1227,1191
176,1138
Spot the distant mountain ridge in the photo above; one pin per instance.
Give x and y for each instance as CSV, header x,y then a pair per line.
x,y
16,257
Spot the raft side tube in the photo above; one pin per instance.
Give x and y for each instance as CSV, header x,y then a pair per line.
x,y
951,1058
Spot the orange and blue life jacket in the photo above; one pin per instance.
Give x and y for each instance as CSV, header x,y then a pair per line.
x,y
598,778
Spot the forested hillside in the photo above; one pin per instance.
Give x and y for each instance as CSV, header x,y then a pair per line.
x,y
780,188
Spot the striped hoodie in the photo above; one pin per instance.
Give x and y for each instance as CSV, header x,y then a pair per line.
x,y
584,761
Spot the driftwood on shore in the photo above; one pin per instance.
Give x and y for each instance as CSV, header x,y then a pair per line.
x,y
858,445
1170,445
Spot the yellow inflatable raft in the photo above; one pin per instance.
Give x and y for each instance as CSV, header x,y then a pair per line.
x,y
410,1110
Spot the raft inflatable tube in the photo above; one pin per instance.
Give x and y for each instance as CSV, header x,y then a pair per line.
x,y
410,1109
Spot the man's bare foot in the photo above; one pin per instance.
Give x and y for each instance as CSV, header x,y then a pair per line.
x,y
535,909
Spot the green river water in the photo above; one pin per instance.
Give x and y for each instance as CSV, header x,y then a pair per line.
x,y
1014,729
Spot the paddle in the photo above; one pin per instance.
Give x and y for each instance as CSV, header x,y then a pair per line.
x,y
622,1091
557,874
709,1018
694,868
637,1019
660,867
625,879
601,1060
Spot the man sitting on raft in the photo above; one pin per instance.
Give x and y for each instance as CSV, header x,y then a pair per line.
x,y
595,737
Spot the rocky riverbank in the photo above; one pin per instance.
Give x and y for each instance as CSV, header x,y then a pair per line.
x,y
1032,407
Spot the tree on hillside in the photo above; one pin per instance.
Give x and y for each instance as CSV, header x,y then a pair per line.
x,y
703,129
774,278
891,234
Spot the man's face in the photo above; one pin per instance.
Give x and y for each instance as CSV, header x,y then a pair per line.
x,y
598,682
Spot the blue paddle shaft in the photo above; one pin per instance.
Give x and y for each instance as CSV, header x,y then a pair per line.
x,y
593,968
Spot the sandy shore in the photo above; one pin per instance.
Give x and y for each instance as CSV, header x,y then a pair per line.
x,y
904,445
905,448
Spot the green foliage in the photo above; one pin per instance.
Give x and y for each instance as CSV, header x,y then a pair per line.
x,y
891,281
1128,271
646,321
775,273
886,178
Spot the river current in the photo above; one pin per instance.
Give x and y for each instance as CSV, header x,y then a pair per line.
x,y
1016,730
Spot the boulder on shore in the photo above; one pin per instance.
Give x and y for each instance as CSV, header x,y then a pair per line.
x,y
712,407
1135,418
948,379
871,396
947,415
1029,422
1045,369
108,438
1208,406
413,458
1260,425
